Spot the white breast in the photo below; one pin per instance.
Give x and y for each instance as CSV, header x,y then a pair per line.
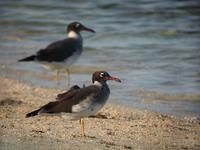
x,y
92,104
86,108
69,61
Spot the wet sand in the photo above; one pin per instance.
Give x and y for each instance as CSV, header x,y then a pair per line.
x,y
114,127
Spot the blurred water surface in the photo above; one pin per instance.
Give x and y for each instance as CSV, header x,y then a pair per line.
x,y
152,45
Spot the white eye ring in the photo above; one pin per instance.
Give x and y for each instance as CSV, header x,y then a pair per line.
x,y
77,25
101,74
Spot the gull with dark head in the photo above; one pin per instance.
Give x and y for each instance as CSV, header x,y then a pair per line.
x,y
80,102
63,53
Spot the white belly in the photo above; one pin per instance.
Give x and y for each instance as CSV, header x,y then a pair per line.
x,y
86,108
90,111
61,65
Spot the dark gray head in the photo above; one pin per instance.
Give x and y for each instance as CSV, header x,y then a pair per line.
x,y
78,27
103,76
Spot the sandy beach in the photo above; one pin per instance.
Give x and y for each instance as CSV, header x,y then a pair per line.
x,y
114,127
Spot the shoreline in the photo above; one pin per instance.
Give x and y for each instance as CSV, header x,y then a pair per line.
x,y
177,104
114,127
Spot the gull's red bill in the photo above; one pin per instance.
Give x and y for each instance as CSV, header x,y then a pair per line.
x,y
114,79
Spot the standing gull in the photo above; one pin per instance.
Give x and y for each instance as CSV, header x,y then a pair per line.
x,y
61,54
80,102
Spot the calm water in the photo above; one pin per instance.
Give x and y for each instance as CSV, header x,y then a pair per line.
x,y
152,45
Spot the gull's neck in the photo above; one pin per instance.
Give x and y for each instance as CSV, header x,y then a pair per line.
x,y
104,89
74,35
97,83
100,84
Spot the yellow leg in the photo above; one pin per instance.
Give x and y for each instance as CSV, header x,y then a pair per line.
x,y
57,76
82,127
68,77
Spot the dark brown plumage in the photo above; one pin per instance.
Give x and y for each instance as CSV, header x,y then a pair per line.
x,y
63,53
80,102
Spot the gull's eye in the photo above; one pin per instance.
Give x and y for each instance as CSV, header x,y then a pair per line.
x,y
101,74
77,25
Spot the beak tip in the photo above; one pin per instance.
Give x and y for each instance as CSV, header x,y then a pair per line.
x,y
116,79
88,29
92,31
119,81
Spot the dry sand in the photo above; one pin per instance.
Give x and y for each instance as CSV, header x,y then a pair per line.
x,y
114,127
